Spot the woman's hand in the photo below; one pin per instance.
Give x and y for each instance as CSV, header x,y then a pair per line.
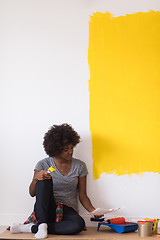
x,y
98,216
42,175
38,176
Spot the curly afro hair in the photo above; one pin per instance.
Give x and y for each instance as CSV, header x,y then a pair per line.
x,y
58,137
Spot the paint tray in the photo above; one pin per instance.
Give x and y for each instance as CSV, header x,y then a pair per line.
x,y
122,228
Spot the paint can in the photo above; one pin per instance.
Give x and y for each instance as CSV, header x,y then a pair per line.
x,y
145,228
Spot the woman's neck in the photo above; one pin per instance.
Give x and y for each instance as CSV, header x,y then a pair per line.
x,y
62,165
60,161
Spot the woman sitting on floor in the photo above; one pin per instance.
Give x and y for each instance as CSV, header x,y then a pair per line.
x,y
56,206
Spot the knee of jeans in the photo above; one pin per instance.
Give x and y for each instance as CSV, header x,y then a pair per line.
x,y
79,224
82,224
45,182
43,185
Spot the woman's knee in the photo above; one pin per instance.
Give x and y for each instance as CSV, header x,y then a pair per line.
x,y
78,224
44,185
44,182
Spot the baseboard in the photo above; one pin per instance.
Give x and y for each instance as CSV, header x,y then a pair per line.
x,y
9,219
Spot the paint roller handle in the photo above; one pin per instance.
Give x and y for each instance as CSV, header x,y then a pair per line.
x,y
97,219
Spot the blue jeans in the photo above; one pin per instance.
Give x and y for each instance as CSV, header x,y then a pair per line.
x,y
45,211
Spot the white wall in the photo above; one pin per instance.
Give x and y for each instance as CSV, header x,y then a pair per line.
x,y
44,77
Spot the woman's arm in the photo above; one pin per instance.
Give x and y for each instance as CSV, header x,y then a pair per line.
x,y
84,199
38,176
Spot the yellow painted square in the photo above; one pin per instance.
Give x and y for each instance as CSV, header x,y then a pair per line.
x,y
124,85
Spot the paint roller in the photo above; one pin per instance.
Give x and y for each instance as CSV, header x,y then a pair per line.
x,y
120,220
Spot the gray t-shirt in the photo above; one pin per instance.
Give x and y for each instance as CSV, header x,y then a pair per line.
x,y
65,188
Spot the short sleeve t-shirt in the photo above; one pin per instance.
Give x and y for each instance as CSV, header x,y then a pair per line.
x,y
65,188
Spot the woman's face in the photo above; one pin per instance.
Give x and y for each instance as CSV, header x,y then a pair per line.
x,y
67,152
